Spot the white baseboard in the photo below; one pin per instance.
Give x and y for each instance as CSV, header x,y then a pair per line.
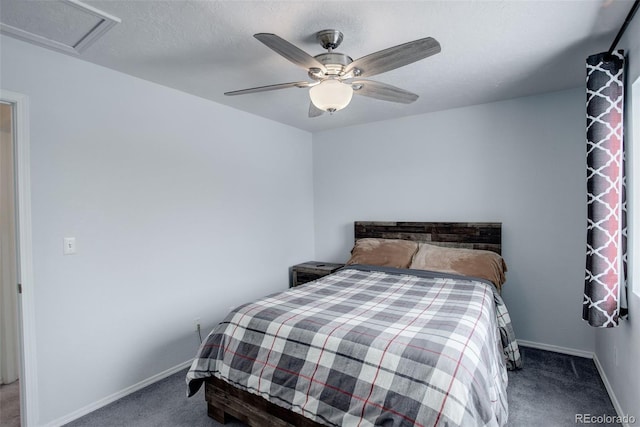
x,y
588,355
607,385
118,395
557,349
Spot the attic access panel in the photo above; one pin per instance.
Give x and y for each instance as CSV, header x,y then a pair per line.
x,y
69,26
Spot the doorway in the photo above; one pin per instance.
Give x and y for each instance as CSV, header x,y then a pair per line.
x,y
9,342
17,311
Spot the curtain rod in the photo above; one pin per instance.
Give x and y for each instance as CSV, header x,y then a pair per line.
x,y
627,20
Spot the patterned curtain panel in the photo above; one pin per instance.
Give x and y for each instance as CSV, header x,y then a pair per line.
x,y
604,300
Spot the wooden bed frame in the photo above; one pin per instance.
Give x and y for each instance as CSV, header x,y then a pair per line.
x,y
225,401
471,235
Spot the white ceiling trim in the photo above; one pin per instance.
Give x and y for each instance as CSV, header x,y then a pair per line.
x,y
105,23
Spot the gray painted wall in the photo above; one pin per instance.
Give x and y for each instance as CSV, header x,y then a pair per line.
x,y
157,195
521,162
624,373
169,197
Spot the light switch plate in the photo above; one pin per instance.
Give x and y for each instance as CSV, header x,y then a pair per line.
x,y
69,246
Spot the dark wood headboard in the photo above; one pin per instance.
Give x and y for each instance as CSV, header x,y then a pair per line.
x,y
471,235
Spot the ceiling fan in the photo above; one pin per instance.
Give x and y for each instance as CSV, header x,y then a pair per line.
x,y
336,77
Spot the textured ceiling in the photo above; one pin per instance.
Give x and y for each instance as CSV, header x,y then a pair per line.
x,y
491,50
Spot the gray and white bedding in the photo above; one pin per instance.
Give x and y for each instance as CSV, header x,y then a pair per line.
x,y
371,346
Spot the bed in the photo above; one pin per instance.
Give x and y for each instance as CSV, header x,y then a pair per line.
x,y
370,344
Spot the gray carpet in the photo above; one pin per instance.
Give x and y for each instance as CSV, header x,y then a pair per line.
x,y
552,388
548,391
10,404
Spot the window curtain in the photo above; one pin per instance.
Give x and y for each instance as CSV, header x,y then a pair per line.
x,y
604,302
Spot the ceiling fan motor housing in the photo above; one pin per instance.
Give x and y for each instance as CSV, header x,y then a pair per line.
x,y
334,62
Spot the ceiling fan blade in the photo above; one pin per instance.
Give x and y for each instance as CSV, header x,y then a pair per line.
x,y
382,91
289,51
394,57
314,111
270,87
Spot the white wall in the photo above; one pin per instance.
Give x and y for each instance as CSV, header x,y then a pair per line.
x,y
520,162
624,375
181,208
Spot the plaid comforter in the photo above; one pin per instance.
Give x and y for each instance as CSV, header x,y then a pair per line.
x,y
368,346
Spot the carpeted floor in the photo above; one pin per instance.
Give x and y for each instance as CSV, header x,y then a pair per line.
x,y
10,405
552,388
549,391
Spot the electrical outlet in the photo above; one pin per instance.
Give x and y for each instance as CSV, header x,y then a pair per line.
x,y
196,324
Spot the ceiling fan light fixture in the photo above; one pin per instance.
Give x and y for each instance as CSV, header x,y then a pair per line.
x,y
331,95
329,71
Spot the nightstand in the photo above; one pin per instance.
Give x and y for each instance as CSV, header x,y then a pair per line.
x,y
311,270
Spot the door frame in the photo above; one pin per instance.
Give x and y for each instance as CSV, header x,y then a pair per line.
x,y
26,306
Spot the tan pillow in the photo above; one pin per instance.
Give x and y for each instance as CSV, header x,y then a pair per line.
x,y
383,252
467,262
